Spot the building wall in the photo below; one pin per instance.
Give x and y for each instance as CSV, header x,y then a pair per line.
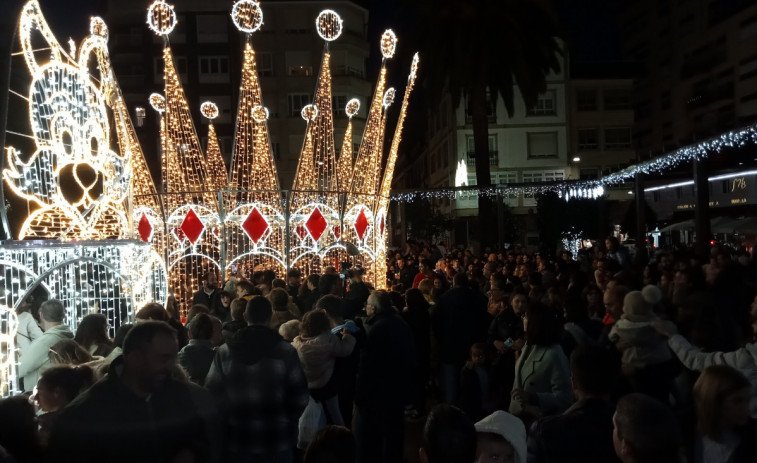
x,y
699,64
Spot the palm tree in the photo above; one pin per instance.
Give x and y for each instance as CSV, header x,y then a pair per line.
x,y
478,50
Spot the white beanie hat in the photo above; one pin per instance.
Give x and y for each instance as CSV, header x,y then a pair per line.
x,y
510,428
640,303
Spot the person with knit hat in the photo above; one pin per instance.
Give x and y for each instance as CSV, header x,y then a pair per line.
x,y
501,437
646,359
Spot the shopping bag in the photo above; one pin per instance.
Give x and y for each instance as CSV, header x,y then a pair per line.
x,y
311,420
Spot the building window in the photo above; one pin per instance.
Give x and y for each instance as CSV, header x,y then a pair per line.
x,y
339,102
586,100
491,110
618,138
542,145
297,101
545,105
589,174
276,150
299,63
214,69
493,157
265,64
617,99
588,139
212,28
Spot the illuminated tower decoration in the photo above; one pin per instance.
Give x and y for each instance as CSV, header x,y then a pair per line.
x,y
77,187
345,162
314,203
358,216
255,222
219,178
193,246
386,183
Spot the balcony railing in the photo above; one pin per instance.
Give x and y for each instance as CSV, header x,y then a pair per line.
x,y
493,158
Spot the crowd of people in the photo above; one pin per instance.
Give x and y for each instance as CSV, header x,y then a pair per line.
x,y
510,356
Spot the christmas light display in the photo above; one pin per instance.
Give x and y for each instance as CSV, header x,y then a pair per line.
x,y
202,220
8,328
344,163
315,197
247,15
255,222
77,183
219,177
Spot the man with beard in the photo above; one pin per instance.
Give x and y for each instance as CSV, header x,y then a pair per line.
x,y
139,411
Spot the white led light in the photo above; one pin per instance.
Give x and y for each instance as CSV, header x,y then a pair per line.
x,y
161,18
309,112
388,43
158,102
329,25
260,114
209,110
247,15
352,108
98,27
389,96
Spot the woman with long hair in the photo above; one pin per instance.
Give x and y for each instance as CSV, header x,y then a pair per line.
x,y
57,387
725,431
542,375
92,334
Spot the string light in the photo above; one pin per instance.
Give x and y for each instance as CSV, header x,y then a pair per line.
x,y
247,16
161,18
8,329
218,176
328,24
331,205
70,127
386,183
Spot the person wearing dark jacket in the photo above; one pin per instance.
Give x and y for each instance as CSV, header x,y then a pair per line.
x,y
139,412
210,294
197,356
584,432
459,321
259,384
416,315
385,382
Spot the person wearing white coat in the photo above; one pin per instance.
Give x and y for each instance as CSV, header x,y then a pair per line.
x,y
28,330
743,359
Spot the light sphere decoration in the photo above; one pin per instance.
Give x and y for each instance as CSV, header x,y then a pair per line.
x,y
158,102
260,114
389,96
161,18
98,27
209,110
247,15
352,108
310,112
329,25
388,43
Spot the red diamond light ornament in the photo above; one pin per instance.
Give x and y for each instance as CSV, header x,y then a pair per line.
x,y
361,224
192,226
337,231
382,224
300,230
255,225
145,228
316,224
